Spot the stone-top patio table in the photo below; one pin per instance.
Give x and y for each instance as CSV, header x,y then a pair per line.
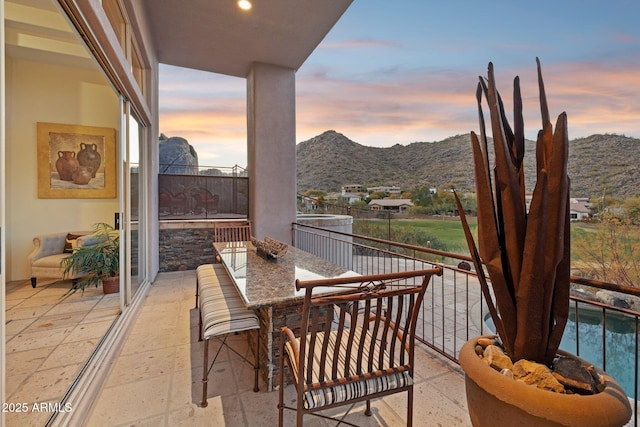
x,y
268,287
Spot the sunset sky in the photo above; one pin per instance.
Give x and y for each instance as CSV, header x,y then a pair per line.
x,y
400,72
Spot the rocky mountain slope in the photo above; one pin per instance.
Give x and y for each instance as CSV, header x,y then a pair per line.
x,y
599,164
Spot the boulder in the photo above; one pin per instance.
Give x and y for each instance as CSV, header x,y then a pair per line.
x,y
615,299
177,156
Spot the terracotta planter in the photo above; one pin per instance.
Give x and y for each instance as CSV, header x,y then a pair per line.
x,y
111,285
494,399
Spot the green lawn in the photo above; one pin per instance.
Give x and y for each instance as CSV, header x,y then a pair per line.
x,y
592,245
448,231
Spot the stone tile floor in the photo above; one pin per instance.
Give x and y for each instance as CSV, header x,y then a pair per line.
x,y
156,378
49,337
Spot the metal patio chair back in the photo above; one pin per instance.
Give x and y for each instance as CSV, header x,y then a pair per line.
x,y
356,341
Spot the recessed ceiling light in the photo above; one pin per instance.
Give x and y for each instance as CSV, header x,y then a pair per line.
x,y
244,4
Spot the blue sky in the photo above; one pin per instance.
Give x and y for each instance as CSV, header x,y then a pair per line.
x,y
400,72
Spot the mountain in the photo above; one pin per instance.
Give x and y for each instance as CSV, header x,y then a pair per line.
x,y
598,164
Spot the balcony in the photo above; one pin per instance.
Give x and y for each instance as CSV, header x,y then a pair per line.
x,y
155,378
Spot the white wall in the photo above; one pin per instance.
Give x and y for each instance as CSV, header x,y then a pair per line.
x,y
38,92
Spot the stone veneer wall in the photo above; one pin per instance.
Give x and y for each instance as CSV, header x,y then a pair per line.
x,y
184,245
272,319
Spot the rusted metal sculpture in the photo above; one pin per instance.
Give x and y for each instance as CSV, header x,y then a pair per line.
x,y
526,254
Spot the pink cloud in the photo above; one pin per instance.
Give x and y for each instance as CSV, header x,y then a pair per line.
x,y
626,38
430,105
391,106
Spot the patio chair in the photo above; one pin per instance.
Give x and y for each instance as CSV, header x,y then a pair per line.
x,y
205,201
356,341
172,202
239,231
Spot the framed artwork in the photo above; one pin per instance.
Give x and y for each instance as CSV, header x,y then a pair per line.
x,y
76,162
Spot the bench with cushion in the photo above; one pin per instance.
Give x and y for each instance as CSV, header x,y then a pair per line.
x,y
229,231
222,312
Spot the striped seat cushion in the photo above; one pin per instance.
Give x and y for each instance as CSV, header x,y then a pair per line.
x,y
212,275
389,378
221,307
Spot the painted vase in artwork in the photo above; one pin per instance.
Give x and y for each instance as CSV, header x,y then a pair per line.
x,y
82,175
66,165
90,157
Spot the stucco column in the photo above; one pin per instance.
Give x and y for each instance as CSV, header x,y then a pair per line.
x,y
271,150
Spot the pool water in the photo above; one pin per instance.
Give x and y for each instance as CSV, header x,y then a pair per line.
x,y
620,342
620,338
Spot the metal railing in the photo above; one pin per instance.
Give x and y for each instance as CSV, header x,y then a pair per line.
x,y
454,310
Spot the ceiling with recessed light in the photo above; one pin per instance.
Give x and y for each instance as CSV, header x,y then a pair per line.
x,y
220,37
216,36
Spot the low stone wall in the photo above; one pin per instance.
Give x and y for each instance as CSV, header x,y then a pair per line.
x,y
184,245
272,319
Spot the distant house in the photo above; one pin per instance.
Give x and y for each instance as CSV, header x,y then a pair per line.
x,y
350,198
309,203
387,204
332,197
578,209
352,188
389,190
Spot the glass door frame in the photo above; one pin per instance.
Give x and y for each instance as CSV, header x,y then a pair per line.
x,y
132,128
3,375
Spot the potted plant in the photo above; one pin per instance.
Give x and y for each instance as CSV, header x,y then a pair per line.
x,y
99,257
526,252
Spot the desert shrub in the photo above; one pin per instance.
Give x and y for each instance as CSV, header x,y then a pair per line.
x,y
609,252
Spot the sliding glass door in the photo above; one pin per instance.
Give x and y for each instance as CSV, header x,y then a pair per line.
x,y
136,203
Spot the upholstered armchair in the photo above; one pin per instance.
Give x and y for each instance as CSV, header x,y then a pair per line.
x,y
49,250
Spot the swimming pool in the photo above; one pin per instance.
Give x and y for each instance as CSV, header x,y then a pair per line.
x,y
619,337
